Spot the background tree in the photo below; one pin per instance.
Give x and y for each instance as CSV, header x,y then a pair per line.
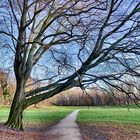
x,y
4,85
80,43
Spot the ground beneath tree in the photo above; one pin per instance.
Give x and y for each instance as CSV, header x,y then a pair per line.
x,y
30,134
67,129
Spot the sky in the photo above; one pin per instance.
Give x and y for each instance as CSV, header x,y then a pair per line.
x,y
51,66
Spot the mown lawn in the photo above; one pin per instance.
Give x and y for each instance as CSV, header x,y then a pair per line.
x,y
107,114
39,115
113,123
86,115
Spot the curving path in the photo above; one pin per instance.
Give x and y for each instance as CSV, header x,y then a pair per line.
x,y
66,129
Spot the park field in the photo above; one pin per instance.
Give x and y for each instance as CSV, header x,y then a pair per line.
x,y
86,114
109,123
39,118
112,123
114,115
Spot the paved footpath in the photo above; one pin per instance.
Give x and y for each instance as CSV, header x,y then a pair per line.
x,y
66,129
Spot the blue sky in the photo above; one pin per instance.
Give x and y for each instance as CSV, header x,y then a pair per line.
x,y
71,50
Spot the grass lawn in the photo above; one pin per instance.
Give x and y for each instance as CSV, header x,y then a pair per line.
x,y
112,123
39,115
115,115
86,115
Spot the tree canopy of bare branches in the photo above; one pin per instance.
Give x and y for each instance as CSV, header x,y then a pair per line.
x,y
84,43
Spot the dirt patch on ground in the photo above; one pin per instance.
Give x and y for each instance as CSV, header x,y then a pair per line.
x,y
109,131
38,127
92,131
32,132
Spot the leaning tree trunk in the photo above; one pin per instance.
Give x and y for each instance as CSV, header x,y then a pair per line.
x,y
17,108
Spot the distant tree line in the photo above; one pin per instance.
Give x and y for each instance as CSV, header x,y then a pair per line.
x,y
72,97
94,97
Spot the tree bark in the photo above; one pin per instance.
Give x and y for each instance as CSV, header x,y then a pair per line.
x,y
17,108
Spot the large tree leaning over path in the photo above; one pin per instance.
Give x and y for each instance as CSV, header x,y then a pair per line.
x,y
106,30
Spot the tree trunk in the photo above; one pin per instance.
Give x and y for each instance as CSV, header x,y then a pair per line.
x,y
17,108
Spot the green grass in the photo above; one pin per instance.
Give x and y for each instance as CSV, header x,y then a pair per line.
x,y
40,115
107,114
86,115
3,114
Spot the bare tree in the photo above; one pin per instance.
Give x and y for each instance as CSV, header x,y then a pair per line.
x,y
4,85
92,33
